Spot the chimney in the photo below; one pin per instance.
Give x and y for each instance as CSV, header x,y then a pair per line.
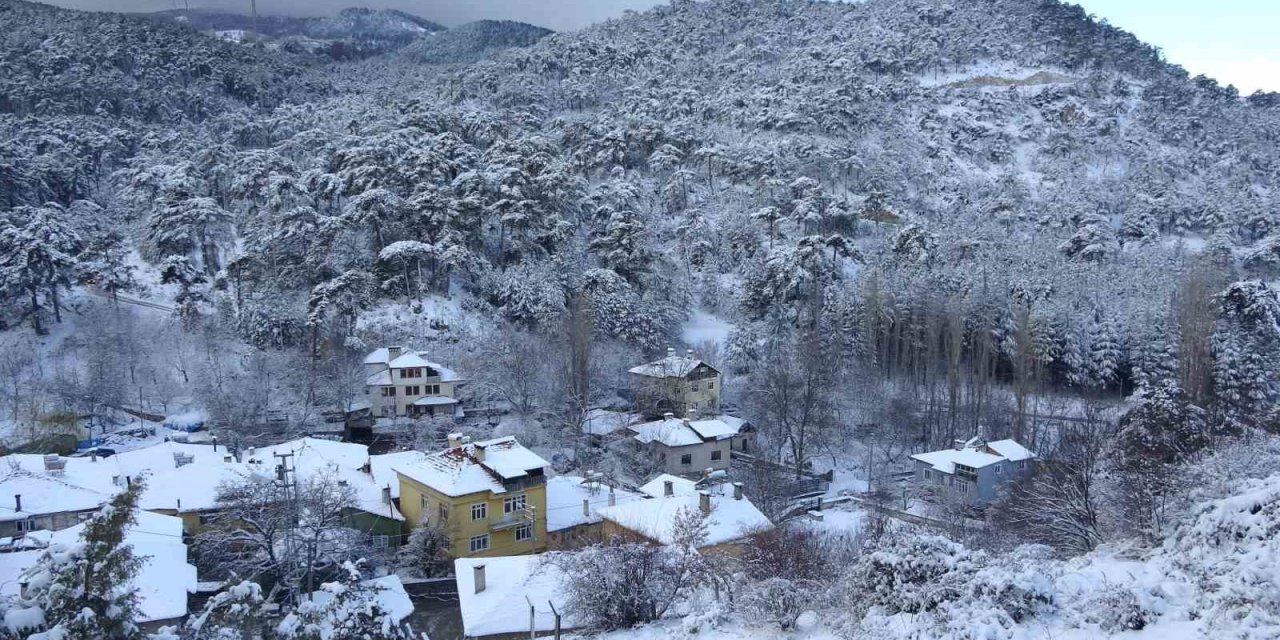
x,y
214,440
394,352
668,488
704,502
613,497
455,440
179,504
17,502
93,454
737,491
386,495
477,573
689,353
478,452
586,508
668,416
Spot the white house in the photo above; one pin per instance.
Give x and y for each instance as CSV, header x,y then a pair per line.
x,y
974,468
405,383
688,446
730,517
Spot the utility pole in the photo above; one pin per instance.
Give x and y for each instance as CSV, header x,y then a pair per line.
x,y
253,8
286,480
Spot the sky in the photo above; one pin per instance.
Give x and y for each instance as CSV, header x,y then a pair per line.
x,y
1233,41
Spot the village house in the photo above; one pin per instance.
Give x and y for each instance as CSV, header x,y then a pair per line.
x,y
974,469
489,497
682,385
403,383
687,446
729,516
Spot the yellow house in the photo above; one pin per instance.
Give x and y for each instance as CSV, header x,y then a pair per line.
x,y
490,497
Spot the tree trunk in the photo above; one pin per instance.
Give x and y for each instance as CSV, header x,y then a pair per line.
x,y
35,312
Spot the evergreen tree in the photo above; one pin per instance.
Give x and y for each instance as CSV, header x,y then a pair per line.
x,y
37,255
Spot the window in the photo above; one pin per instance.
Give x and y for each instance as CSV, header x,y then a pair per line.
x,y
928,475
431,389
695,385
999,469
26,526
444,513
711,384
388,392
524,532
386,411
479,511
411,372
1022,464
513,504
425,502
381,542
480,543
715,455
693,405
963,486
686,458
412,390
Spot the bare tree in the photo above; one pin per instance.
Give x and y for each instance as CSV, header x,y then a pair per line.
x,y
794,394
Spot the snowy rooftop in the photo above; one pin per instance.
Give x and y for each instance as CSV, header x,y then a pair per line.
x,y
679,486
511,583
975,454
602,422
380,356
407,359
434,401
164,581
655,518
85,482
458,471
564,501
679,432
672,366
384,468
43,494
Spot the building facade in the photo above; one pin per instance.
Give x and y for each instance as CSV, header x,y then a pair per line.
x,y
405,384
489,497
682,385
974,470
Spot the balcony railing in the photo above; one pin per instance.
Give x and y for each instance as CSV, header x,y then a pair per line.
x,y
504,521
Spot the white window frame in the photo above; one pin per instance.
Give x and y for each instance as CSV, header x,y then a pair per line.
x,y
964,486
524,532
381,541
480,543
513,504
26,525
481,508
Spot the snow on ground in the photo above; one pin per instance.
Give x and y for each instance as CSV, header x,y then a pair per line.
x,y
668,629
702,327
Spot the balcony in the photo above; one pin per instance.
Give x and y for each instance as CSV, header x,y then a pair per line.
x,y
502,522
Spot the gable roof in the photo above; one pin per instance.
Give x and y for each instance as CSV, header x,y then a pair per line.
x,y
458,472
672,366
975,454
43,494
673,432
679,486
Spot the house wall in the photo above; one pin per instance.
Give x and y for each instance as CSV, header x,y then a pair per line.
x,y
46,522
700,457
399,403
420,503
990,479
656,396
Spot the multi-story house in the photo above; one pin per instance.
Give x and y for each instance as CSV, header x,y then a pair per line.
x,y
405,383
684,446
676,384
489,497
973,470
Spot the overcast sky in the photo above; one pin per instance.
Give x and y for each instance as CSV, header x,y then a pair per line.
x,y
1234,41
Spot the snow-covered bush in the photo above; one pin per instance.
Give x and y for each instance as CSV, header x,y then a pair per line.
x,y
775,601
1232,553
427,551
1116,608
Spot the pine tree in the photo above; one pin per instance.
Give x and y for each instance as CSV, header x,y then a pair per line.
x,y
37,254
427,551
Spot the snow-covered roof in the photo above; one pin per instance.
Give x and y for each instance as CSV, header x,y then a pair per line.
x,y
602,422
1011,450
380,356
673,432
163,582
379,379
511,583
679,486
564,501
85,482
730,519
672,366
384,468
418,359
974,454
716,428
458,471
434,401
43,494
